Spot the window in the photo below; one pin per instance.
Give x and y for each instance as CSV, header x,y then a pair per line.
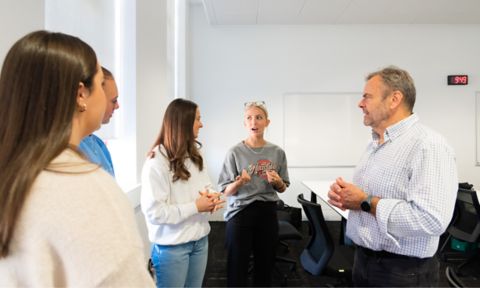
x,y
109,27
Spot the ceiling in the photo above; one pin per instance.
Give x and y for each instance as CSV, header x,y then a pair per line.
x,y
292,12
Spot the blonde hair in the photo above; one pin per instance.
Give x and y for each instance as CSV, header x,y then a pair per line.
x,y
257,104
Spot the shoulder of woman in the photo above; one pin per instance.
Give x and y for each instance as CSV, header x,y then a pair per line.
x,y
71,161
157,159
273,146
158,153
235,148
76,186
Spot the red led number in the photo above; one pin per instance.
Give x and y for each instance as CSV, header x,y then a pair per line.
x,y
457,79
461,79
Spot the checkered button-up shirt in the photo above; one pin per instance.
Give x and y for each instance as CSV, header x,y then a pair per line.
x,y
415,176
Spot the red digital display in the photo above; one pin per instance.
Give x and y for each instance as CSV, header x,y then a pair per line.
x,y
457,79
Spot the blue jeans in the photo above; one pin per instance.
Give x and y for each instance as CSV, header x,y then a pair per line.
x,y
180,265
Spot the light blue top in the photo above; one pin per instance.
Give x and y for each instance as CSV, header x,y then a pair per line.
x,y
97,152
414,174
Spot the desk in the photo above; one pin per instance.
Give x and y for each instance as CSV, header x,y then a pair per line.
x,y
320,188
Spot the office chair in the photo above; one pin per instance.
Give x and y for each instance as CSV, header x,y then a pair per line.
x,y
286,231
465,227
317,256
292,216
453,279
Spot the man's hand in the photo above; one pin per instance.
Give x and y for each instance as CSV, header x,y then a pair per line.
x,y
345,195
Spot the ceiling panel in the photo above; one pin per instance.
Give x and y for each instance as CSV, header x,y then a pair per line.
x,y
448,12
322,11
279,11
291,12
378,12
235,12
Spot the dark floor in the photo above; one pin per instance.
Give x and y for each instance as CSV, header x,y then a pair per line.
x,y
215,275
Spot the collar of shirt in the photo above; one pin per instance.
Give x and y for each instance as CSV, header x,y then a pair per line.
x,y
395,130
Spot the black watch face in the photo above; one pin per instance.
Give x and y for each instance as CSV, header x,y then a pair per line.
x,y
365,206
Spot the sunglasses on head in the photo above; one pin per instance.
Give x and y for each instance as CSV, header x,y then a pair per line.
x,y
255,103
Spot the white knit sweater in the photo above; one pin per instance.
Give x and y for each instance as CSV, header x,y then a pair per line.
x,y
75,229
169,207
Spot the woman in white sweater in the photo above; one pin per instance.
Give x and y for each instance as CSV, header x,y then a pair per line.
x,y
175,198
63,221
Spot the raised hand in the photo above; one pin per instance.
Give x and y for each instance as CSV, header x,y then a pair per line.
x,y
240,180
243,178
275,179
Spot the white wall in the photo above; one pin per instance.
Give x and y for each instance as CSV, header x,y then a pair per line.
x,y
152,69
151,75
17,18
64,16
114,44
233,64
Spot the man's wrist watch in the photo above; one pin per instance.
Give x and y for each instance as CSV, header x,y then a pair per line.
x,y
366,204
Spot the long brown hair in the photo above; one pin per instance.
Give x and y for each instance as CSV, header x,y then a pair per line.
x,y
39,82
176,136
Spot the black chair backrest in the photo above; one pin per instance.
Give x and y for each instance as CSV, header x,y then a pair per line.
x,y
466,225
320,248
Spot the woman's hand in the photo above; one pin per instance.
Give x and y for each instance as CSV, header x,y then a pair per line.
x,y
244,178
240,180
214,198
204,203
277,181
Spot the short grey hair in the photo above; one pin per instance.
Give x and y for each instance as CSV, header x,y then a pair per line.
x,y
397,79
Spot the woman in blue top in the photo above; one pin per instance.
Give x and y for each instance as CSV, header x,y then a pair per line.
x,y
253,172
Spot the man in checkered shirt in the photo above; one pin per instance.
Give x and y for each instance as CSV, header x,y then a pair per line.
x,y
403,191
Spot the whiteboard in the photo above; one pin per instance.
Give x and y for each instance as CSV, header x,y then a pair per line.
x,y
324,129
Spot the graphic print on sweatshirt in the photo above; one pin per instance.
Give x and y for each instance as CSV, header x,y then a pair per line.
x,y
261,167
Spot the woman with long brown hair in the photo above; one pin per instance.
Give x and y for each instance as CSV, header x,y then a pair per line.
x,y
175,197
63,221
